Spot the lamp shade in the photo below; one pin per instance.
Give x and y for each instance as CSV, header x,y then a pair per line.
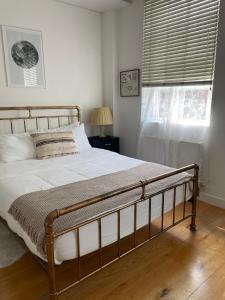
x,y
101,116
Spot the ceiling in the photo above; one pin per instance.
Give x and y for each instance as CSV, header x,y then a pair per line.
x,y
98,5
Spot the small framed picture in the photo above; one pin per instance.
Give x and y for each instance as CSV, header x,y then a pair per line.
x,y
24,60
130,83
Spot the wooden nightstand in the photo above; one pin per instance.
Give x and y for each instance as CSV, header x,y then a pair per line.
x,y
110,143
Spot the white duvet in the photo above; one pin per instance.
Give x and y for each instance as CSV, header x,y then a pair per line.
x,y
21,177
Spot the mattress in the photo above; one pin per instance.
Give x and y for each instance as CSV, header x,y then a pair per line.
x,y
21,177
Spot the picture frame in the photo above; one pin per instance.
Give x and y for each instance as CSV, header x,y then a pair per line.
x,y
24,58
130,83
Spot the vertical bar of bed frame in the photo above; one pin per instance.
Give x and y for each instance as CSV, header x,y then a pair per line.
x,y
149,217
36,123
194,198
185,195
11,126
78,253
174,203
135,223
24,125
162,212
100,241
51,264
118,232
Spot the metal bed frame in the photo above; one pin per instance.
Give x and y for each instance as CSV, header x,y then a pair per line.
x,y
50,235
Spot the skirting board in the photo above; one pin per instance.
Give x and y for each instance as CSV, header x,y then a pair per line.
x,y
213,200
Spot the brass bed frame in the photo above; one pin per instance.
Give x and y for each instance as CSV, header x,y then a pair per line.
x,y
53,271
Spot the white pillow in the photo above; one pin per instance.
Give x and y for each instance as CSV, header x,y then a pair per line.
x,y
80,136
15,147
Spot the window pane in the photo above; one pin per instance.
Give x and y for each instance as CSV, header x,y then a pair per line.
x,y
188,105
195,104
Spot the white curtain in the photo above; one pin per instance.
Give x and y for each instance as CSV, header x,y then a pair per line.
x,y
174,126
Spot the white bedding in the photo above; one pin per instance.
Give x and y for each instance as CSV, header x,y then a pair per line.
x,y
20,177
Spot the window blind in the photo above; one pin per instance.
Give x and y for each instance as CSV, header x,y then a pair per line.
x,y
179,41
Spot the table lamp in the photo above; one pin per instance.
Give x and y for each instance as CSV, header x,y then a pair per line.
x,y
101,116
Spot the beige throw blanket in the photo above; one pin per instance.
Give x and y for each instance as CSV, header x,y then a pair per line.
x,y
30,210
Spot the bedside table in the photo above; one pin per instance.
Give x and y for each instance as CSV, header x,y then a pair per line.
x,y
110,143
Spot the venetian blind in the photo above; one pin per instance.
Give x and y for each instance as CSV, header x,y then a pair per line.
x,y
179,41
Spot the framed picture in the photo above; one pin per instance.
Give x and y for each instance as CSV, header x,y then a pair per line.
x,y
130,83
24,59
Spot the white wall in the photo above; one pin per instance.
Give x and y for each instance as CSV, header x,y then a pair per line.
x,y
122,50
215,189
72,54
110,47
130,56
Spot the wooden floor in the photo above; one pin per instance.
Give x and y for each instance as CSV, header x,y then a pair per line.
x,y
178,265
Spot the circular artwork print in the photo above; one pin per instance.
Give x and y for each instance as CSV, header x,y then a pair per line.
x,y
25,54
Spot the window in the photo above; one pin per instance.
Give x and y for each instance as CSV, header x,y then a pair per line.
x,y
178,59
179,46
187,105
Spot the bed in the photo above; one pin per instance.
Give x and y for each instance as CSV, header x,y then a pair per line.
x,y
138,220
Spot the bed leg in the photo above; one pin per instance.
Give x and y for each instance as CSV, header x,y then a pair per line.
x,y
194,198
193,224
51,269
49,238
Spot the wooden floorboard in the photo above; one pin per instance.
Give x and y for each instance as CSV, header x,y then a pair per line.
x,y
178,265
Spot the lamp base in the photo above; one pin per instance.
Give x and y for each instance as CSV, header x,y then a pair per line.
x,y
102,131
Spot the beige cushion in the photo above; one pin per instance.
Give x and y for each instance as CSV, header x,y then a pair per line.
x,y
54,144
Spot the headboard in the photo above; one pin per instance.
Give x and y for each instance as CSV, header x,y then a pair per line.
x,y
27,118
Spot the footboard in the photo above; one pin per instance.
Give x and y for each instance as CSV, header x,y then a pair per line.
x,y
51,236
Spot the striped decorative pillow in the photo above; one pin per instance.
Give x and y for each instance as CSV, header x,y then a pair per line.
x,y
53,144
